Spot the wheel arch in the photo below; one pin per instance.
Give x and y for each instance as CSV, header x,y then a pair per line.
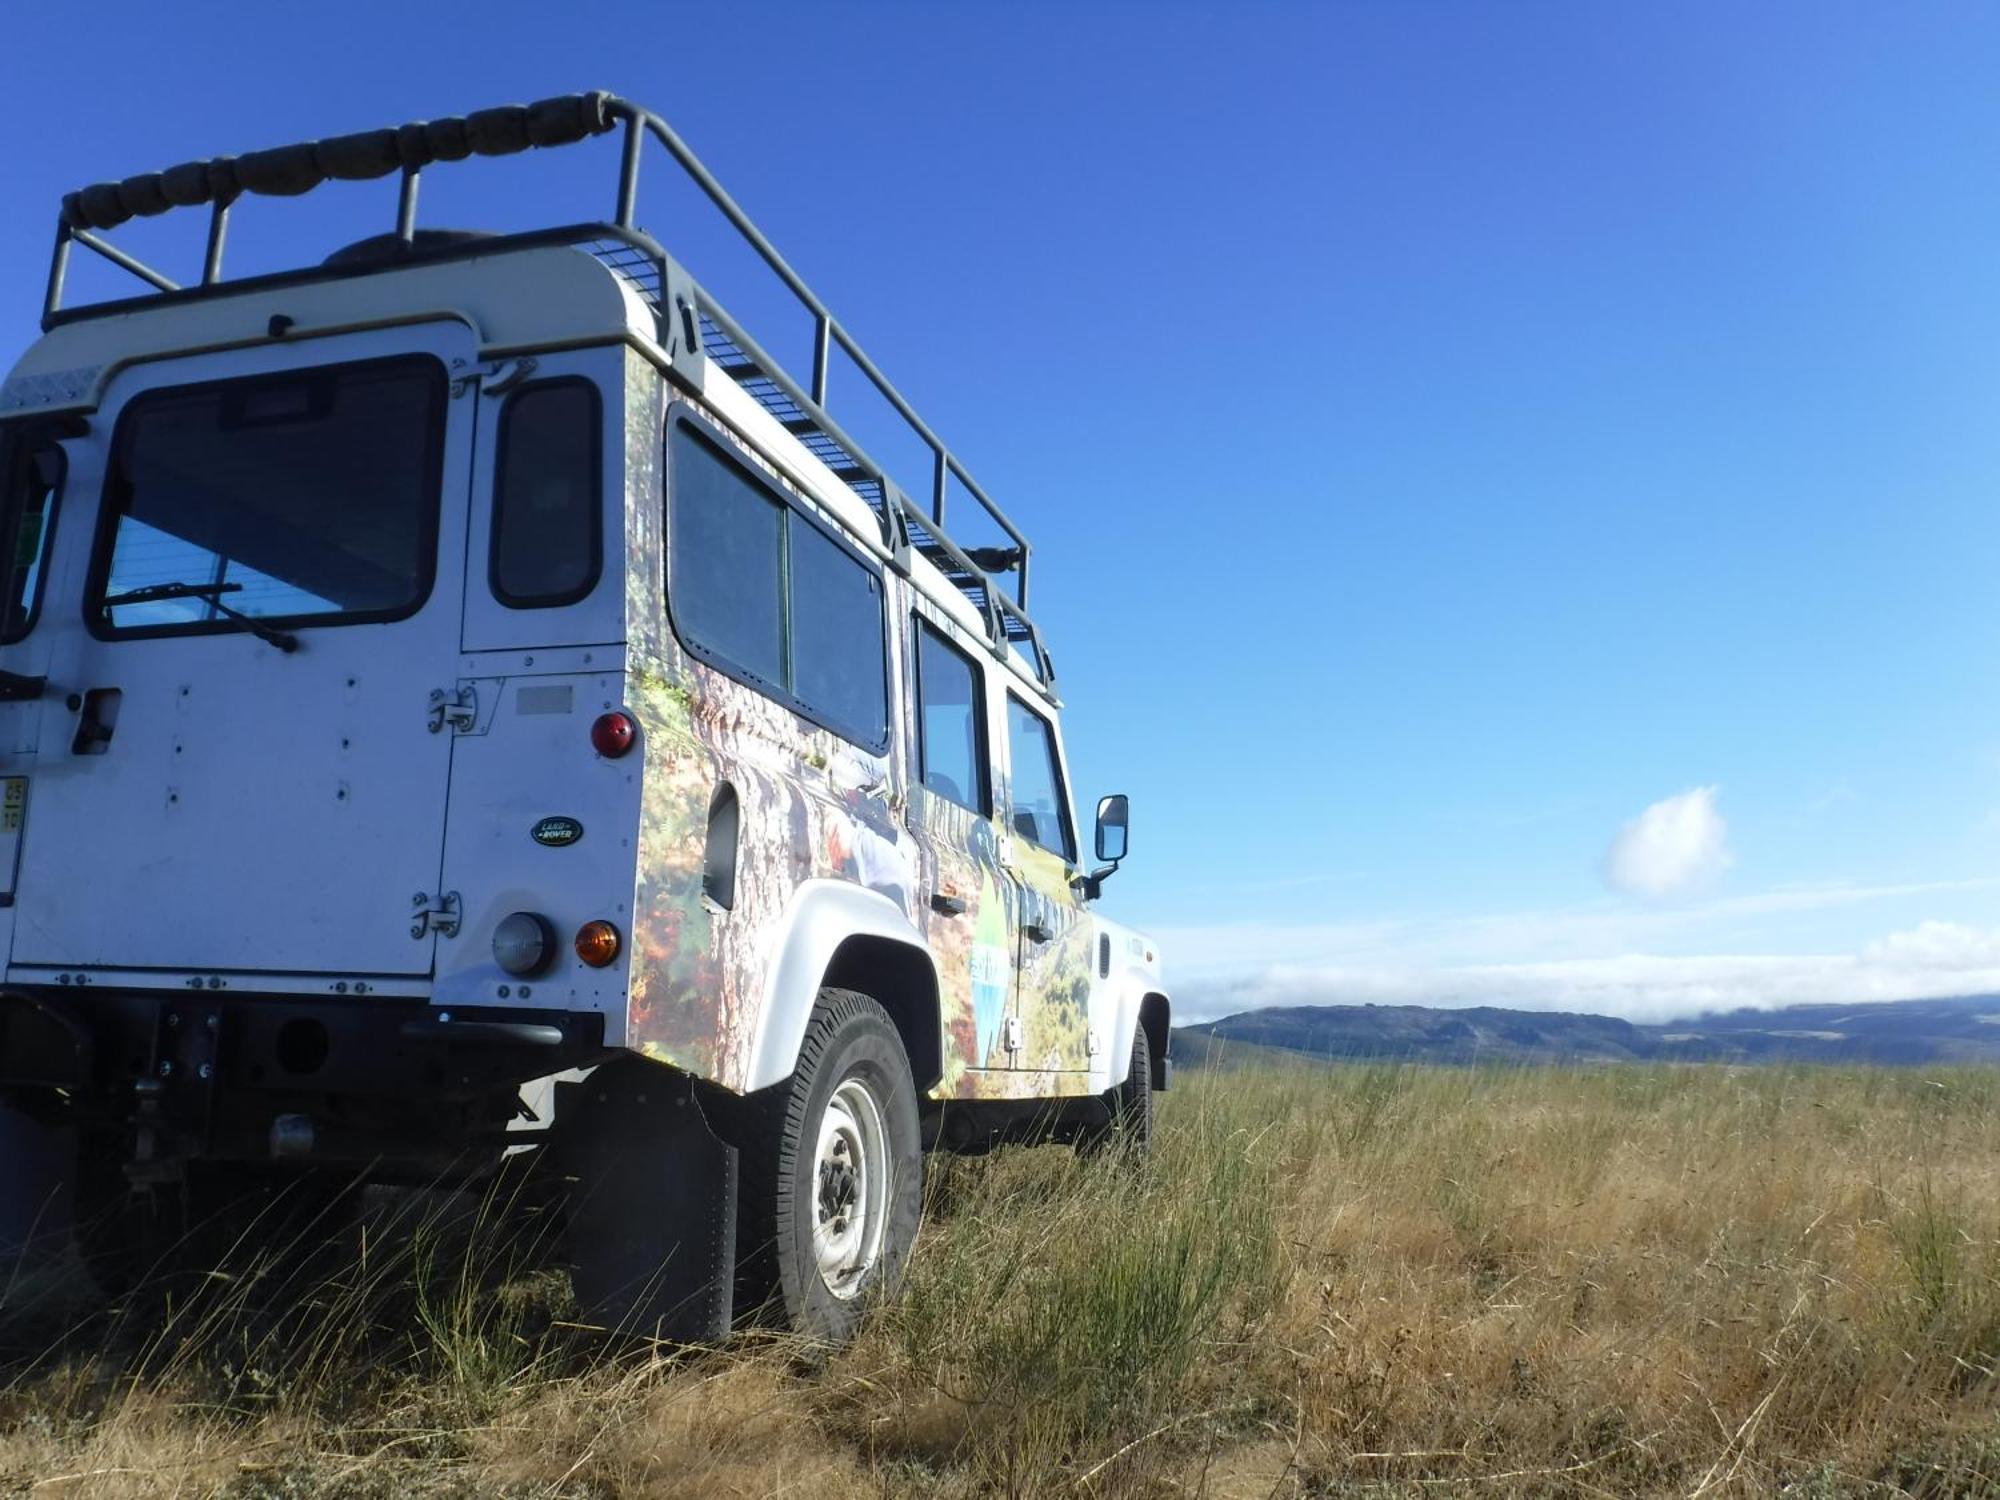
x,y
841,934
1156,1014
903,980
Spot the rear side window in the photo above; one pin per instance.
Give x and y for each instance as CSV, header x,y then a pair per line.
x,y
310,495
1037,803
548,511
951,758
761,591
32,474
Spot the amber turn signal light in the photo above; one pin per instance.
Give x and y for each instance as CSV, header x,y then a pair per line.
x,y
613,733
597,943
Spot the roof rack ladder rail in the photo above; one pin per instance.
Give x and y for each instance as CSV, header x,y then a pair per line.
x,y
999,517
828,324
822,352
769,369
628,170
130,263
58,273
989,606
406,207
898,509
218,232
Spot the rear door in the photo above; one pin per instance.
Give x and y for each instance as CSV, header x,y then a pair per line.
x,y
242,767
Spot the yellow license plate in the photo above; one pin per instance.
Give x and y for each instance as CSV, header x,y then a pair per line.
x,y
13,802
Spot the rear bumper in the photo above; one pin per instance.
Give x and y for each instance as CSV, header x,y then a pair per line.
x,y
208,1077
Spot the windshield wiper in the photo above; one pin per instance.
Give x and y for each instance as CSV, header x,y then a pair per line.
x,y
153,593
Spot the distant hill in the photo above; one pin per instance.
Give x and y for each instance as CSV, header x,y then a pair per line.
x,y
1905,1032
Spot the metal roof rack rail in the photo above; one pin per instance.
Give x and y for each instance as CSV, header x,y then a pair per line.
x,y
288,171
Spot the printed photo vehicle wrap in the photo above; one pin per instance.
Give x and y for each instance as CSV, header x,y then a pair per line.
x,y
589,810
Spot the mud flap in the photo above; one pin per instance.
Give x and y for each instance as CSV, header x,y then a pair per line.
x,y
652,1204
37,1191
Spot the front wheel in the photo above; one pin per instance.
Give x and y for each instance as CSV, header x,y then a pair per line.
x,y
1128,1106
846,1189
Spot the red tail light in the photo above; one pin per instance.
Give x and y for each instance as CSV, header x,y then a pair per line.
x,y
613,734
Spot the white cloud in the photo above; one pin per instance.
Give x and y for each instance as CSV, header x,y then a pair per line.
x,y
1939,945
1591,958
1675,845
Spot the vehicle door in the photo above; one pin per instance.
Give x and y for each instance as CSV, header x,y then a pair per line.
x,y
239,769
1052,952
540,822
969,917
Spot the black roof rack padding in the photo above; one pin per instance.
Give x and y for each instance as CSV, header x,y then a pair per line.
x,y
282,172
186,185
356,158
287,171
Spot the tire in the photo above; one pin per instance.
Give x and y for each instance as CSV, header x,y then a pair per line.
x,y
1130,1105
832,1177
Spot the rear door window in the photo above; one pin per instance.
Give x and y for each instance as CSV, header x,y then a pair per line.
x,y
309,496
548,516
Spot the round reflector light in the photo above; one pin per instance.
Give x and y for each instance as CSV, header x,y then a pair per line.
x,y
597,944
524,943
613,733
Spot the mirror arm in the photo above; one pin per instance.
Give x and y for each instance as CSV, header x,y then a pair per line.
x,y
1092,885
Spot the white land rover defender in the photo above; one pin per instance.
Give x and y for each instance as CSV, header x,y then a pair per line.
x,y
465,701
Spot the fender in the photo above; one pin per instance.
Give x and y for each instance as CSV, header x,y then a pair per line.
x,y
821,915
1114,1063
1121,997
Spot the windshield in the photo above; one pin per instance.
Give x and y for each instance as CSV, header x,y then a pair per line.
x,y
309,495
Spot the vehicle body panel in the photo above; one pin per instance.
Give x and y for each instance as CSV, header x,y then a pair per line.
x,y
256,811
834,838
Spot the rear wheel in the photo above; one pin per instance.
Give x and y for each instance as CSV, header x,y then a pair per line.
x,y
834,1186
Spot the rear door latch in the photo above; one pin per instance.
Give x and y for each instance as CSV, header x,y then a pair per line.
x,y
458,707
439,914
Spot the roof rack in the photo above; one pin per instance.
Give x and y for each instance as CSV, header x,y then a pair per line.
x,y
288,171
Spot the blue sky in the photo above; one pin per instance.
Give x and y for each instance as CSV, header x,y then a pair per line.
x,y
1448,432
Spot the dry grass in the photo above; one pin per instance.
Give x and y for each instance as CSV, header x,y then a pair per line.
x,y
1352,1281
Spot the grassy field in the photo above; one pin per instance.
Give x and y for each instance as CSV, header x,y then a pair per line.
x,y
1344,1282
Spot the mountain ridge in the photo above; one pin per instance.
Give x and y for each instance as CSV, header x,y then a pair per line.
x,y
1908,1033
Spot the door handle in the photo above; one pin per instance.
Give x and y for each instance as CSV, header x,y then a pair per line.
x,y
950,905
1035,932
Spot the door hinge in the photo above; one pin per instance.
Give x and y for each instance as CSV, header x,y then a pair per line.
x,y
1013,1033
439,914
458,707
495,377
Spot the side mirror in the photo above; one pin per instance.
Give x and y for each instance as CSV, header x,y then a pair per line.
x,y
1113,815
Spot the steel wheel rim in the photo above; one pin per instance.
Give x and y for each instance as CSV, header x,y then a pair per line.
x,y
850,1188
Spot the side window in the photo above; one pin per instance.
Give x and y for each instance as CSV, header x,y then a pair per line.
x,y
951,758
840,669
1038,812
727,561
548,509
758,589
32,477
